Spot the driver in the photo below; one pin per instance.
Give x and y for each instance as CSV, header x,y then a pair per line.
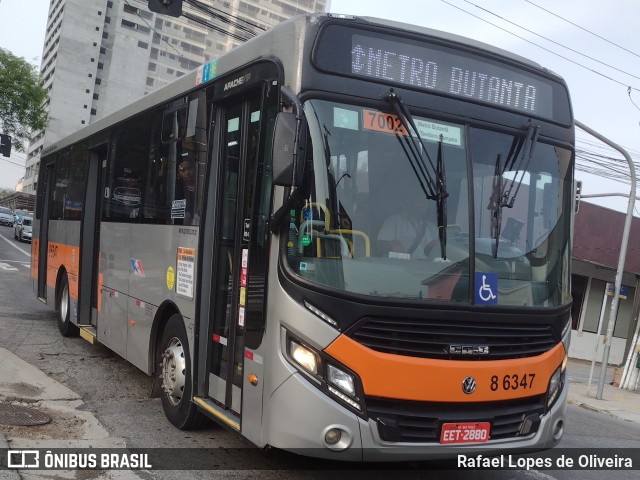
x,y
408,232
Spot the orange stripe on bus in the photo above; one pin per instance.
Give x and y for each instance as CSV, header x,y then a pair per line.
x,y
34,258
67,256
59,255
424,379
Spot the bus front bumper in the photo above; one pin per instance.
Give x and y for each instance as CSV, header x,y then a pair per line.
x,y
301,419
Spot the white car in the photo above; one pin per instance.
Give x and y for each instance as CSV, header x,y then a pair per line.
x,y
22,229
6,216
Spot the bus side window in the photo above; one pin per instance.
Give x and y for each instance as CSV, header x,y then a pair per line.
x,y
128,159
154,205
61,182
74,200
176,163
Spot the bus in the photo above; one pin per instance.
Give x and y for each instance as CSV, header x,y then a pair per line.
x,y
232,235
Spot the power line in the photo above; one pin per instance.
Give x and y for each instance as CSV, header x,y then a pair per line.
x,y
211,26
13,163
552,41
604,166
224,17
541,47
582,28
631,99
19,155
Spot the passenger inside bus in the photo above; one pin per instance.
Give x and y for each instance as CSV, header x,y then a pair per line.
x,y
411,230
186,187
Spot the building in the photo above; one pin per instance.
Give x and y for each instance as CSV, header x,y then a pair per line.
x,y
99,55
596,250
18,201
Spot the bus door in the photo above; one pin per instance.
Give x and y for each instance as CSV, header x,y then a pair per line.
x,y
89,238
240,125
48,179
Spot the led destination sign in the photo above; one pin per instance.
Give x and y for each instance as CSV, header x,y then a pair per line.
x,y
440,69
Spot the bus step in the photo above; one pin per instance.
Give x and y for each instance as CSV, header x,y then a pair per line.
x,y
89,333
224,415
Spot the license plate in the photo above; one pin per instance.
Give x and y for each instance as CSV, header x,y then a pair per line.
x,y
471,432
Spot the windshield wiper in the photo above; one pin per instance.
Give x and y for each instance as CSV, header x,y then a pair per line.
x,y
433,187
495,204
524,155
442,203
431,177
521,151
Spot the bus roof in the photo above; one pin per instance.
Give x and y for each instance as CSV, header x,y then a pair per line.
x,y
275,43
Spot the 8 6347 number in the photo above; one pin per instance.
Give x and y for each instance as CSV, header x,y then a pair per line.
x,y
513,382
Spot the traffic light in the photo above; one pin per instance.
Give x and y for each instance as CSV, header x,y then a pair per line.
x,y
5,145
172,8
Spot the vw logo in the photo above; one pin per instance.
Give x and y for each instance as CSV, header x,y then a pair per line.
x,y
468,385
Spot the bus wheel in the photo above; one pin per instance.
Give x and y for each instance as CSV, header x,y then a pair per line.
x,y
175,373
67,329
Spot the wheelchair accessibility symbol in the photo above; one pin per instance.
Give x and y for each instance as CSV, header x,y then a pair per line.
x,y
486,287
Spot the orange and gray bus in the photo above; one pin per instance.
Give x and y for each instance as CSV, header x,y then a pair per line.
x,y
347,237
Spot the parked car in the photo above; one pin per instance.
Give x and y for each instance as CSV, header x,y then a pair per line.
x,y
6,216
22,229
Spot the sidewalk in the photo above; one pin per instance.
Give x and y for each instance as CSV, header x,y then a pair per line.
x,y
23,385
619,403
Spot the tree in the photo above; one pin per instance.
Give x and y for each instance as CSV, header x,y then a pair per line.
x,y
22,97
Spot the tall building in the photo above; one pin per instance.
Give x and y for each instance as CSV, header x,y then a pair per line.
x,y
100,55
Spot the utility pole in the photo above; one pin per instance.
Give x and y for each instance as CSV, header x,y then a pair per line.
x,y
621,258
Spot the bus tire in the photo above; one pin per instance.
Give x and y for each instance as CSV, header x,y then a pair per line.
x,y
66,327
175,374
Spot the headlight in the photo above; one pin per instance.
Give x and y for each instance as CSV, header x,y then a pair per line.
x,y
346,390
332,379
304,357
342,380
554,386
565,336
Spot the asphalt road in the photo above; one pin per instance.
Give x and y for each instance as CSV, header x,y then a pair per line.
x,y
118,395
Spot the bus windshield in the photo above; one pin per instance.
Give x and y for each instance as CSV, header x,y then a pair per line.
x,y
370,217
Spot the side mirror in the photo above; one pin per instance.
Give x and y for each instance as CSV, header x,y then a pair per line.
x,y
288,150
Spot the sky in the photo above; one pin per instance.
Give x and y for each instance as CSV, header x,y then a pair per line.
x,y
599,93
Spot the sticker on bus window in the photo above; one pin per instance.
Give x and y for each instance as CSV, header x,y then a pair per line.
x,y
343,118
429,131
486,290
178,208
382,122
434,132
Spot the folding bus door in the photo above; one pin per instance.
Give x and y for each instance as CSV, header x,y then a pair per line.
x,y
237,227
89,290
47,177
